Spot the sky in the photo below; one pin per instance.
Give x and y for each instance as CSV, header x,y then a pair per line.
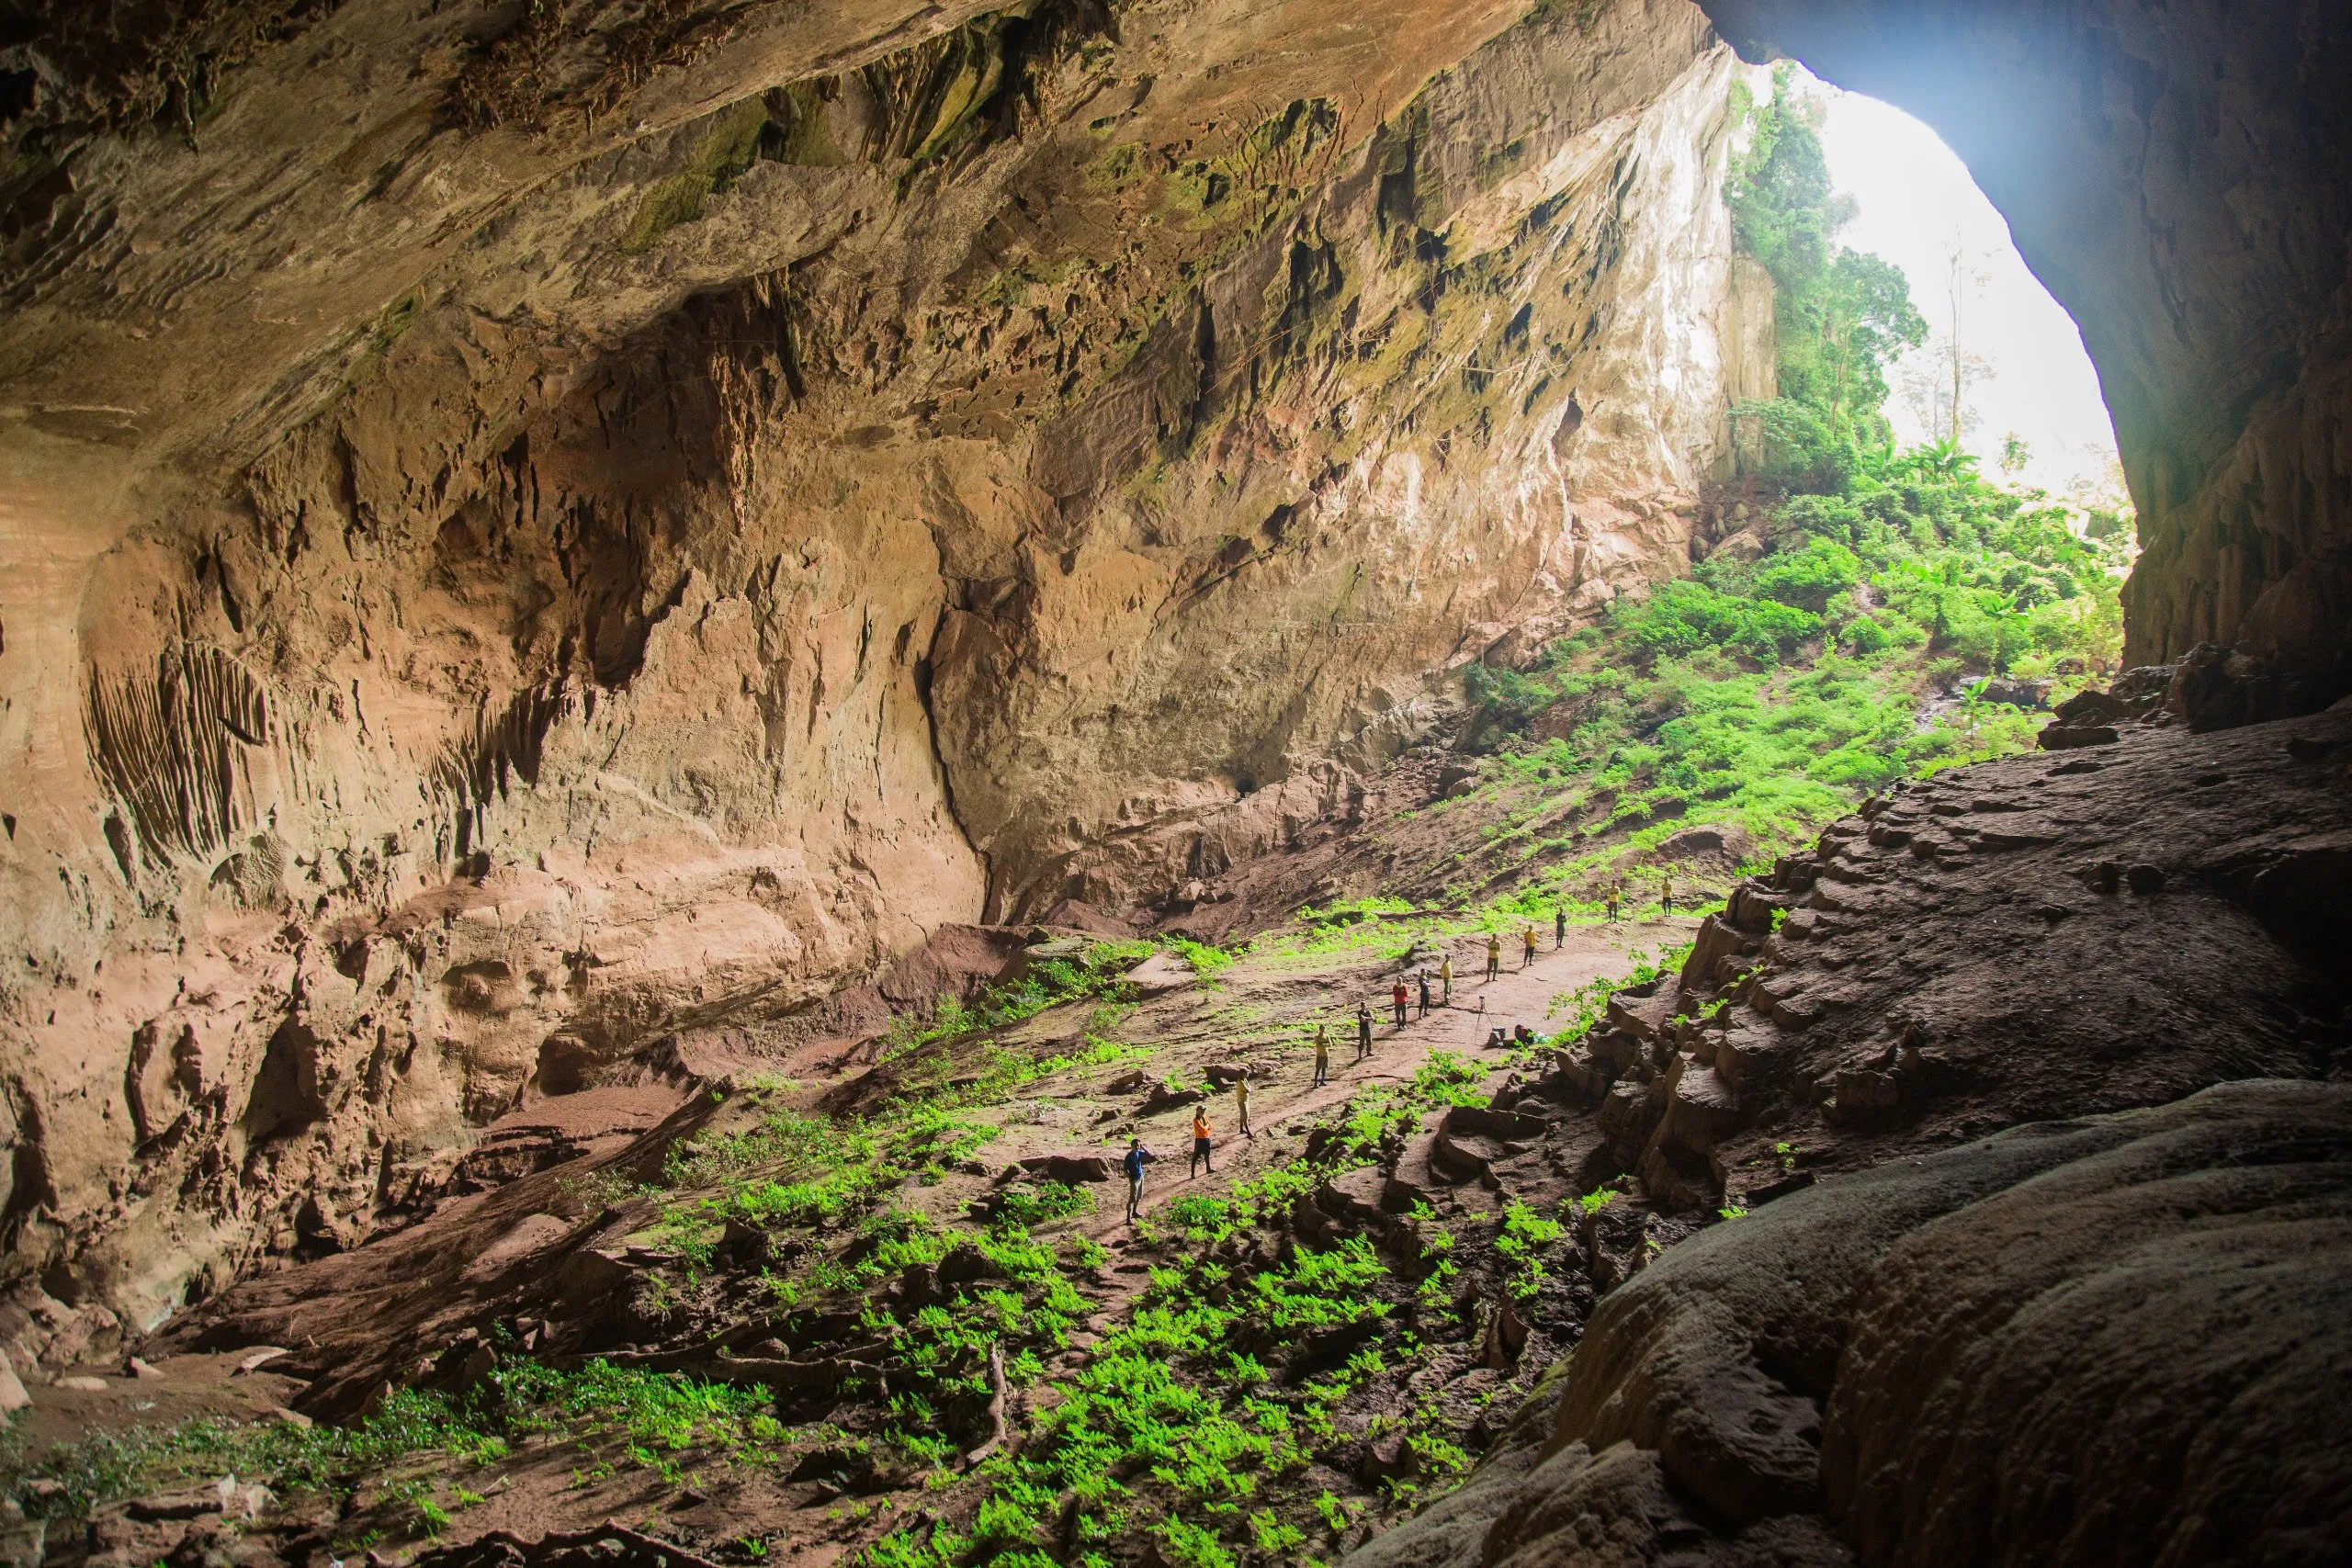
x,y
1916,201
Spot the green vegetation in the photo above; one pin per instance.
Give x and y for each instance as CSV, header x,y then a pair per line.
x,y
1842,317
1094,971
731,147
1176,1427
1773,695
1819,653
420,1441
1204,959
1522,1239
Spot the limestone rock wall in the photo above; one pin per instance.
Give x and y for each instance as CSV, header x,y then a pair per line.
x,y
485,598
1900,1366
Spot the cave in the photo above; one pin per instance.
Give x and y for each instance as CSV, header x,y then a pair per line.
x,y
678,675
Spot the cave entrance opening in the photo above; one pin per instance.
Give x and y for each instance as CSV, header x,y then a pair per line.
x,y
1916,552
2002,371
1934,480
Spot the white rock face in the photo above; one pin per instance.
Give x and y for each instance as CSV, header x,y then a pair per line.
x,y
744,550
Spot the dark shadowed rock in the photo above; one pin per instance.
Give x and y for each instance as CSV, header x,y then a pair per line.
x,y
1902,1362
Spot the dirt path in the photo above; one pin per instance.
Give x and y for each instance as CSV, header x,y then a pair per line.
x,y
1284,1101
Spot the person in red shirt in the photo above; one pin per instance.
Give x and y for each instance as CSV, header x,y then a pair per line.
x,y
1397,996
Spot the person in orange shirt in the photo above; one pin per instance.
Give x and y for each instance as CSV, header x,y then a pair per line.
x,y
1200,1145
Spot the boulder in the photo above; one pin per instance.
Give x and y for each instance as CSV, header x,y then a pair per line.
x,y
1069,1170
2219,688
2015,691
1355,1200
1627,1115
1470,1140
1753,1054
1896,1366
1700,1109
1168,1097
1747,546
1614,1237
1160,974
965,1264
2072,736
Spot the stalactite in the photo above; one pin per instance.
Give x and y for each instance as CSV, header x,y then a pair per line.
x,y
174,748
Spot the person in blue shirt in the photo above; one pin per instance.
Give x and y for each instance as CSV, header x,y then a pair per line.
x,y
1134,1162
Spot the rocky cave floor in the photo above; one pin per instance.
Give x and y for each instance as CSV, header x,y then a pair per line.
x,y
882,1335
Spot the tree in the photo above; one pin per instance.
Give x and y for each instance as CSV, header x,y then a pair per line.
x,y
1935,383
2015,454
1783,212
1862,313
1842,316
1939,395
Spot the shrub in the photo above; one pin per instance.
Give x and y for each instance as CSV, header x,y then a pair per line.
x,y
1807,579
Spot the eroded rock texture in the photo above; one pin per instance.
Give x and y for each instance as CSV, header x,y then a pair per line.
x,y
2100,1328
2174,176
2063,1344
2076,931
531,531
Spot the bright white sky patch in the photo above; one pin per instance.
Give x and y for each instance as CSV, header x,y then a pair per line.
x,y
1915,202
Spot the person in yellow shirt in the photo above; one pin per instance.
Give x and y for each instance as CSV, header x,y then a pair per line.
x,y
1494,955
1445,973
1527,955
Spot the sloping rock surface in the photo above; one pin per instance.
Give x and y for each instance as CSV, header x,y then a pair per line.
x,y
2044,936
2105,1340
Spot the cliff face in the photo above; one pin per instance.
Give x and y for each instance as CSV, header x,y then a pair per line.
x,y
2174,176
483,597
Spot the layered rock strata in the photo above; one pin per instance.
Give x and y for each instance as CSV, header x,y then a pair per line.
x,y
689,512
2106,1338
2076,931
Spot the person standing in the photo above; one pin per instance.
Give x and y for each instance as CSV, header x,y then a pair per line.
x,y
1241,1105
1560,924
1397,995
1665,896
1200,1145
1527,952
1322,1055
1445,973
1363,1029
1494,955
1616,892
1422,976
1134,1163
